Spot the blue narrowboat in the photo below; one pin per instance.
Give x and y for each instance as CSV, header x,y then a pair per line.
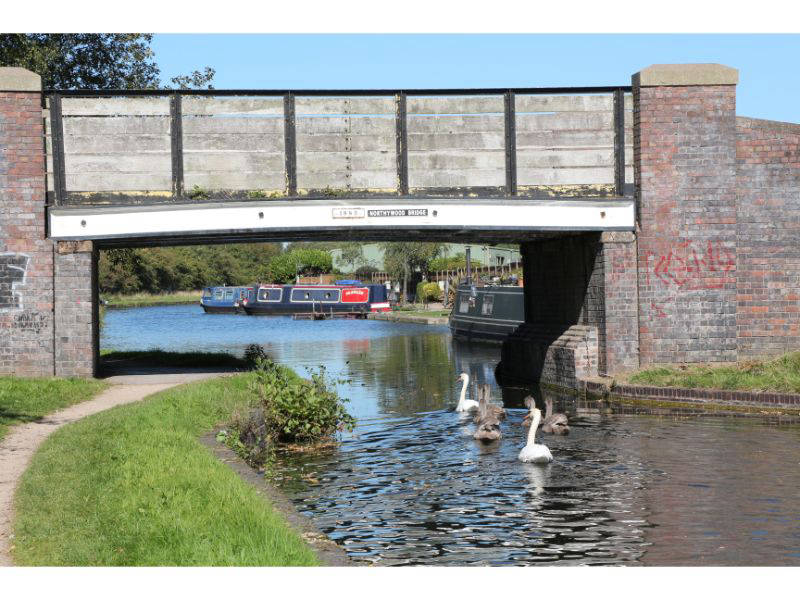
x,y
347,296
225,299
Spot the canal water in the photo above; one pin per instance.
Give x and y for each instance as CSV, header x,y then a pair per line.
x,y
410,486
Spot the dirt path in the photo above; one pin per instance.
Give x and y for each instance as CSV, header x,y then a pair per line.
x,y
22,441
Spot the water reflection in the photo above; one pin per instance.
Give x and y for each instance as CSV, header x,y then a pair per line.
x,y
629,484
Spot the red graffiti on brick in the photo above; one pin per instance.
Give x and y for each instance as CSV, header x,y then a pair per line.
x,y
686,266
658,310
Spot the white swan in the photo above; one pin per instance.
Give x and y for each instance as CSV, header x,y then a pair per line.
x,y
533,452
463,404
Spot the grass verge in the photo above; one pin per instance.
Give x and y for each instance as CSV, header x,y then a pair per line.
x,y
26,399
134,300
133,486
162,358
781,374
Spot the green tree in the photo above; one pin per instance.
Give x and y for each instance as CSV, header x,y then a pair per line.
x,y
353,255
401,258
92,60
303,261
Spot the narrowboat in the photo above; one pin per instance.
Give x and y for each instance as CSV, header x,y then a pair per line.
x,y
347,296
225,299
487,313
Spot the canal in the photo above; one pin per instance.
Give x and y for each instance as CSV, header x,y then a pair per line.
x,y
410,486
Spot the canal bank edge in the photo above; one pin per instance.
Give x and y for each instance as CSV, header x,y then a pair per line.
x,y
701,397
399,317
328,551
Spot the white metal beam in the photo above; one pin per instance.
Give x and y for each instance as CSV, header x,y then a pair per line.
x,y
299,216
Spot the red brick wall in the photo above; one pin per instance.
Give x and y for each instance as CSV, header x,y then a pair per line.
x,y
621,319
768,263
685,174
26,256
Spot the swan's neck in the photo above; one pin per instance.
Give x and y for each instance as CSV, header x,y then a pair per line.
x,y
548,408
463,396
537,416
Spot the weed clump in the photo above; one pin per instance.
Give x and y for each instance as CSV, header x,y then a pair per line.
x,y
289,411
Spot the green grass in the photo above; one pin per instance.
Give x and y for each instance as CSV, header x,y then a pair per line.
x,y
26,399
134,486
778,375
161,358
134,300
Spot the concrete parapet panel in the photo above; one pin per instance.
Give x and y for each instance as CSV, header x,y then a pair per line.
x,y
17,79
690,74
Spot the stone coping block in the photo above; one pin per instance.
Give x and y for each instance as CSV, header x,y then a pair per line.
x,y
17,79
691,74
693,395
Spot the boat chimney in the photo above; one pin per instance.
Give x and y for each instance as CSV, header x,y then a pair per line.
x,y
467,254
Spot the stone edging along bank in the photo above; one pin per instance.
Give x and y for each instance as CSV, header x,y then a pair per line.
x,y
732,398
399,317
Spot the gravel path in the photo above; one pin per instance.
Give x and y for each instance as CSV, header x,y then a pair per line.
x,y
22,441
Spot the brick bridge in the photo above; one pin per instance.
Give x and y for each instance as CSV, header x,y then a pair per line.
x,y
656,226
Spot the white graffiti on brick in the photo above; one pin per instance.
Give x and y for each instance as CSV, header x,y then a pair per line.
x,y
13,267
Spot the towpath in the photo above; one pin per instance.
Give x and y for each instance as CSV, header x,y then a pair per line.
x,y
22,441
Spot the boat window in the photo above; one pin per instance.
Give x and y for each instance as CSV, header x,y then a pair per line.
x,y
244,293
207,293
463,303
228,294
218,294
304,295
488,304
270,294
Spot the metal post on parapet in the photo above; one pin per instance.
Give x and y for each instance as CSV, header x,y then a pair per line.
x,y
176,138
510,144
290,143
401,129
57,140
467,254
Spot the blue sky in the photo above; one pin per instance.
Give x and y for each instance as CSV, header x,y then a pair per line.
x,y
769,79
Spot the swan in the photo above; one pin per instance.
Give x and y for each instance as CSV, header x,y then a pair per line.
x,y
463,404
556,423
488,424
487,409
533,452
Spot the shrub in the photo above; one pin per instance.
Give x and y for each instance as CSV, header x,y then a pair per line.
x,y
254,354
428,292
295,410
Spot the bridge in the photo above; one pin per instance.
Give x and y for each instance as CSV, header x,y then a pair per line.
x,y
656,225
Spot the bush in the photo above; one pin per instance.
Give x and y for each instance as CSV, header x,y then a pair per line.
x,y
294,410
428,292
254,354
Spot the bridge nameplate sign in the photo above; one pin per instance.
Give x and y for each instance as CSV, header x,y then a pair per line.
x,y
399,212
